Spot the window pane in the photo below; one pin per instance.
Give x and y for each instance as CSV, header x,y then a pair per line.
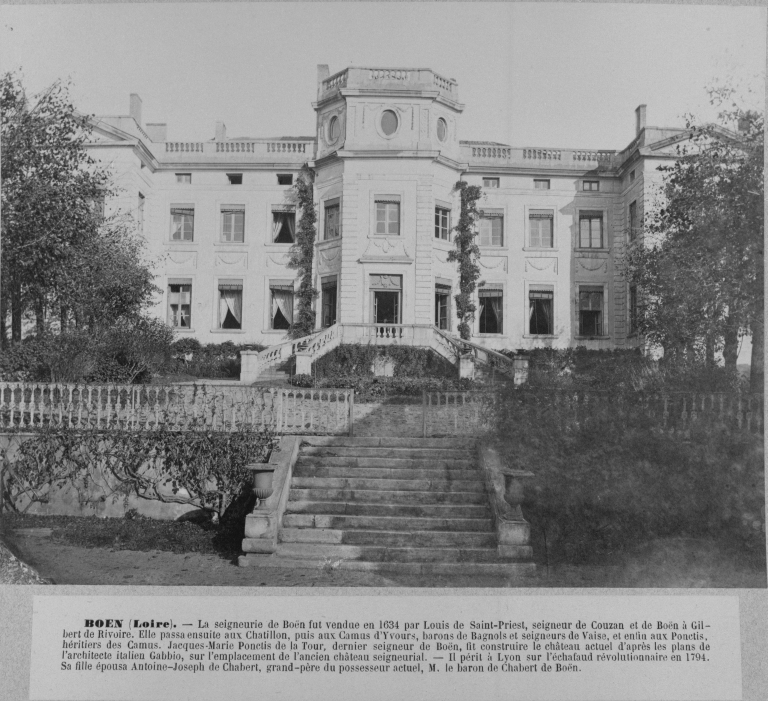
x,y
496,223
597,230
485,232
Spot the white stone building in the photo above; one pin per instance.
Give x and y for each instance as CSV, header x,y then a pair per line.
x,y
388,150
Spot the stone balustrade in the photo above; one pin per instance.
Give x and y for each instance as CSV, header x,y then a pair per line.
x,y
481,154
393,78
184,147
293,151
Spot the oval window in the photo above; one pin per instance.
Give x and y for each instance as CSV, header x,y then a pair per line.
x,y
334,129
442,129
388,122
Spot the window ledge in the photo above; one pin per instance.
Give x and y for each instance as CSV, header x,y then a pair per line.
x,y
592,338
326,243
278,245
592,250
489,335
231,244
503,249
541,250
275,332
181,330
541,335
177,244
227,331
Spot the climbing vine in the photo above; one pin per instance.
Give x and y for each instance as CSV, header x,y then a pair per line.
x,y
466,254
302,252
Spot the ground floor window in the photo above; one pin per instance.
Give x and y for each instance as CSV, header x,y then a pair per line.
x,y
329,303
386,298
230,305
180,305
282,305
442,307
491,310
540,319
590,311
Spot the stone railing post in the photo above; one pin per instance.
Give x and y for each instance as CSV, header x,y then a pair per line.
x,y
467,365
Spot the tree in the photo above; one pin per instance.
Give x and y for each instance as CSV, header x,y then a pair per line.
x,y
466,253
60,255
302,253
700,268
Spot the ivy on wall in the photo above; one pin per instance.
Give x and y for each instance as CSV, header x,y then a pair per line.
x,y
466,255
302,252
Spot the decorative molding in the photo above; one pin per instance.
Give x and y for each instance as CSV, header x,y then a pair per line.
x,y
593,265
185,258
277,260
385,250
541,265
494,263
231,260
439,256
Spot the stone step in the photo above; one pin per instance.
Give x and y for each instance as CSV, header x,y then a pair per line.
x,y
383,554
398,539
399,463
415,485
356,508
387,523
386,472
410,453
382,496
464,443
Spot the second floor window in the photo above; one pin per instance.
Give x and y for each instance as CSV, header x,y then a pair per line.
x,y
182,223
491,182
590,230
232,224
332,228
491,229
541,225
387,217
283,226
590,185
184,178
442,223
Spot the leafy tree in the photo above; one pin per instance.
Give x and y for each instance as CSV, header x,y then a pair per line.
x,y
302,253
466,253
700,268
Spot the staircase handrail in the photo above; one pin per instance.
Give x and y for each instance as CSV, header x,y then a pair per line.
x,y
322,339
462,345
273,354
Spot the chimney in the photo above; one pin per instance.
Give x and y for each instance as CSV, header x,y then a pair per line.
x,y
157,131
322,74
221,131
640,118
135,108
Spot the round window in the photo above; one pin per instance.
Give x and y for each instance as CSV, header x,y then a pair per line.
x,y
334,130
442,129
388,122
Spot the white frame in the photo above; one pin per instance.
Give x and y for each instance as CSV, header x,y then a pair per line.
x,y
217,280
528,284
527,228
604,321
605,247
503,287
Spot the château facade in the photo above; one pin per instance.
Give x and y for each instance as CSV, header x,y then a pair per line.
x,y
220,217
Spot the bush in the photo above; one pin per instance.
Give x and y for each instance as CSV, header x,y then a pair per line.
x,y
357,359
214,360
369,387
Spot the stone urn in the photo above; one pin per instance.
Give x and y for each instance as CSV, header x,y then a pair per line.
x,y
262,481
514,488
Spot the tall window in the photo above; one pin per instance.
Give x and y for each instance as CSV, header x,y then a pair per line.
x,y
442,223
332,220
491,182
235,178
388,217
283,226
180,305
590,311
541,226
329,303
232,224
442,306
182,223
541,184
491,229
140,216
491,310
633,220
590,230
231,305
540,312
386,296
282,304
633,311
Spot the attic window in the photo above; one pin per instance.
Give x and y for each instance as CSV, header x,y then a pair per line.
x,y
285,178
235,178
185,178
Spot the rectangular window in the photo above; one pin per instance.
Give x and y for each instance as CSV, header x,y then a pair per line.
x,y
140,217
633,220
283,225
491,309
182,223
332,228
386,296
232,224
184,178
590,311
330,295
590,229
541,184
442,307
633,318
491,229
442,223
541,226
491,182
282,304
590,185
235,178
285,178
540,311
231,305
632,175
180,305
388,217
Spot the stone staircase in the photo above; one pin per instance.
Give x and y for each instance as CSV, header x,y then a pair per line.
x,y
412,505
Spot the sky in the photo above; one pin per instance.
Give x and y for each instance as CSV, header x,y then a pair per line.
x,y
554,75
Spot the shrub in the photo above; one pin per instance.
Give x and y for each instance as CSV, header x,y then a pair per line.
x,y
357,359
134,350
214,360
371,387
